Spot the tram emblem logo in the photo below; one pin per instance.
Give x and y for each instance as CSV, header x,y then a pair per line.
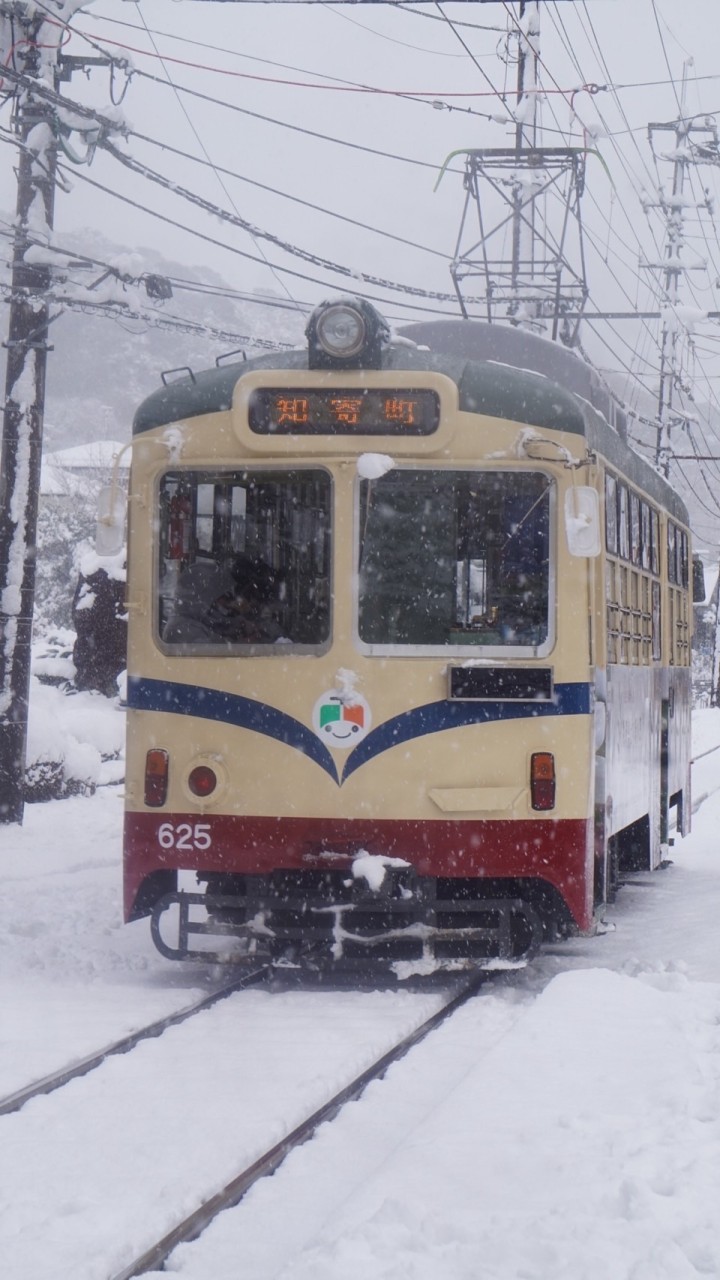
x,y
340,719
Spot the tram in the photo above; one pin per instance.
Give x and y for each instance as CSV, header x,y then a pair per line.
x,y
409,651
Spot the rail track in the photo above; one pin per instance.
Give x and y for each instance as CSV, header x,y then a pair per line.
x,y
194,1224
699,799
83,1066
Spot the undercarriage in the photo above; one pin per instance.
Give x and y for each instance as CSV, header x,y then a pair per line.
x,y
329,920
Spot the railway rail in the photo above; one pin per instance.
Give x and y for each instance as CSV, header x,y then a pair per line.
x,y
55,1080
699,799
194,1224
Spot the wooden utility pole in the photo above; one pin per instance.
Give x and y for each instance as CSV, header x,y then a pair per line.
x,y
27,348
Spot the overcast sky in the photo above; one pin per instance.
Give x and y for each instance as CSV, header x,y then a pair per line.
x,y
389,48
247,55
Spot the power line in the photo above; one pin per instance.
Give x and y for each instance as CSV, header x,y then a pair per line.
x,y
200,201
201,235
286,195
222,184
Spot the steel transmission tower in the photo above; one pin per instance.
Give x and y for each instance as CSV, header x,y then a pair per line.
x,y
513,262
695,141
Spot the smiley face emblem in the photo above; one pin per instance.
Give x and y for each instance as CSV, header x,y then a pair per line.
x,y
340,720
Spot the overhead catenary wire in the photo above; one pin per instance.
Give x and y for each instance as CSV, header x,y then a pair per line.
x,y
231,248
221,182
118,310
235,219
324,282
201,235
286,195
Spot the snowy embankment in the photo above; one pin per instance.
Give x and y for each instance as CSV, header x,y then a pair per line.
x,y
565,1125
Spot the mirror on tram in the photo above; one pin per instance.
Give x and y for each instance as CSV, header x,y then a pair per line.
x,y
698,580
582,520
110,523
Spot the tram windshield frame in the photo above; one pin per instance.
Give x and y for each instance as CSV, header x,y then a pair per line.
x,y
456,561
244,560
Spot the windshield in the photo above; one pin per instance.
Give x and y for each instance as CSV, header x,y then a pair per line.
x,y
454,558
244,559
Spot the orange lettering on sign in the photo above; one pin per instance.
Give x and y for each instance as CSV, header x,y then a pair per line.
x,y
400,411
293,411
347,409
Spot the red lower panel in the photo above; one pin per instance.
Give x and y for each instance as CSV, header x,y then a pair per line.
x,y
559,852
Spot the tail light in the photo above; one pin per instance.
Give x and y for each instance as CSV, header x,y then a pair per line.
x,y
202,780
542,780
156,777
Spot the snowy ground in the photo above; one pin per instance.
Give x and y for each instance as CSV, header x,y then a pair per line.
x,y
565,1125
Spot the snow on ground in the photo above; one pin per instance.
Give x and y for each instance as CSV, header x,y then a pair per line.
x,y
565,1125
72,977
577,1140
93,1174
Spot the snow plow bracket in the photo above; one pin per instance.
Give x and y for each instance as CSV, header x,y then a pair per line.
x,y
501,933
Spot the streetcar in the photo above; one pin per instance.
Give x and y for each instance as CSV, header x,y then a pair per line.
x,y
409,651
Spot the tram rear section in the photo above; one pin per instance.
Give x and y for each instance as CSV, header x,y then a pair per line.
x,y
368,691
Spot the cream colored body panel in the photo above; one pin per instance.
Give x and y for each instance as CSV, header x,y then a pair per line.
x,y
476,769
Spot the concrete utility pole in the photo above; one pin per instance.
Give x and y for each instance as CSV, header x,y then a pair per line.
x,y
27,348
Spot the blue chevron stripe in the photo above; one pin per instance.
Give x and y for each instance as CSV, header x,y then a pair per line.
x,y
247,713
229,708
567,700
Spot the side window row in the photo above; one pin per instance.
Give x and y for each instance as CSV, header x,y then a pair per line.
x,y
632,526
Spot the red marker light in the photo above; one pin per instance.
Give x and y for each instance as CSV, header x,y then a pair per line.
x,y
156,777
202,781
542,780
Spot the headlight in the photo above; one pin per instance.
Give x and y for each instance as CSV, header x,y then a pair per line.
x,y
341,331
346,333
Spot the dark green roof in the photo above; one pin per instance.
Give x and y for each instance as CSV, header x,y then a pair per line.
x,y
484,386
494,386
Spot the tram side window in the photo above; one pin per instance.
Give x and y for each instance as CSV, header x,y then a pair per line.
x,y
655,535
454,558
634,528
671,553
678,556
623,522
244,559
645,535
611,514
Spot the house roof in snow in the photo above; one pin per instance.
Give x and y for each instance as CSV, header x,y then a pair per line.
x,y
67,472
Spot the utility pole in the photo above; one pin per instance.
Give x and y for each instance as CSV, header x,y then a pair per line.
x,y
685,153
35,51
523,232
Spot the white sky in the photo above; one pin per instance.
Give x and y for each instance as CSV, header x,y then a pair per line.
x,y
590,41
375,45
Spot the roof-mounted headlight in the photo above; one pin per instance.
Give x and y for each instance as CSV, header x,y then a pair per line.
x,y
346,334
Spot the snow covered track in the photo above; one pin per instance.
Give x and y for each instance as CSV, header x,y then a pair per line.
x,y
94,1174
195,1223
56,1080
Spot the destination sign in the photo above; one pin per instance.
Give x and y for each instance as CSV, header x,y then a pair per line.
x,y
332,411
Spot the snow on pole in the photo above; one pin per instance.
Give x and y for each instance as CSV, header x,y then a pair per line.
x,y
27,348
